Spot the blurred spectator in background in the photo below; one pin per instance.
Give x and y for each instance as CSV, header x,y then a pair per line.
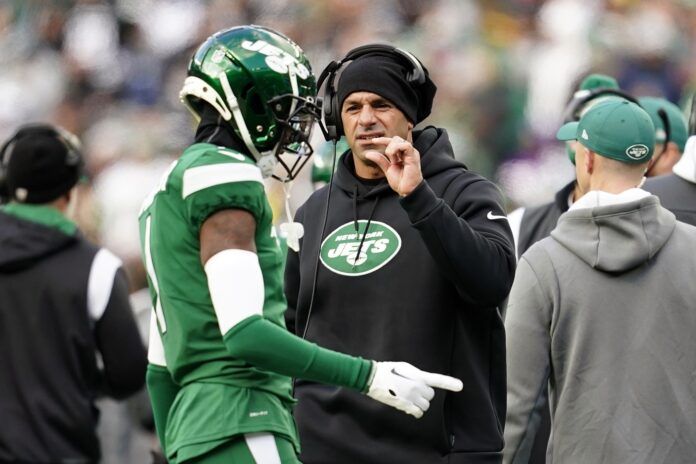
x,y
505,68
670,134
67,334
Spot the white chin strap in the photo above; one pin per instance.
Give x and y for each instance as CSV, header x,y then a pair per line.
x,y
265,161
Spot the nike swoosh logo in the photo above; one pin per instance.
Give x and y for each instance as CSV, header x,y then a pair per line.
x,y
493,217
393,371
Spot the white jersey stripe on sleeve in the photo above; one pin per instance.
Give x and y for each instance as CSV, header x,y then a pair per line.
x,y
101,281
202,177
155,348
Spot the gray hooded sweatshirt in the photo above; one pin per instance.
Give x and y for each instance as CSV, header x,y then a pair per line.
x,y
605,311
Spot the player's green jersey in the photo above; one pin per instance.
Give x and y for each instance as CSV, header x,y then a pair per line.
x,y
220,395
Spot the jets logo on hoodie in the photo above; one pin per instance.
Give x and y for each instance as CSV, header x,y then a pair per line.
x,y
354,253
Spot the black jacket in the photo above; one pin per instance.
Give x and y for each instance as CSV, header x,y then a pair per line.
x,y
676,194
434,304
538,221
62,300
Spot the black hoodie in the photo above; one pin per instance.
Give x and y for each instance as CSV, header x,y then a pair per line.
x,y
445,265
62,300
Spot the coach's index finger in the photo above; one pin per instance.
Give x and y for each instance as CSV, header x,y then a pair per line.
x,y
444,382
382,140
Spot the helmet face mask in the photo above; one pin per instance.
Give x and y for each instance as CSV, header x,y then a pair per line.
x,y
261,83
295,135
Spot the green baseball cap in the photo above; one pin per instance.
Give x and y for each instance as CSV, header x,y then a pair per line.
x,y
616,129
678,132
598,81
593,89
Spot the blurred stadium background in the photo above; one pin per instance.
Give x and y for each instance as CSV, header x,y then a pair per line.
x,y
110,71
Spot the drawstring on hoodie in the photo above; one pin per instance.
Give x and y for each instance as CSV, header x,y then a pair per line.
x,y
367,226
355,208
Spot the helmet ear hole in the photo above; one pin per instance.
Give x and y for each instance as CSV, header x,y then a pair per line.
x,y
253,100
196,103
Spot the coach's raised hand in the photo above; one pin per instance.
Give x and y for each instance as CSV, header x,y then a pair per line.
x,y
400,162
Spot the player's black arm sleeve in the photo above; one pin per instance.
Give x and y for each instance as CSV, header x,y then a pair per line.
x,y
119,343
475,252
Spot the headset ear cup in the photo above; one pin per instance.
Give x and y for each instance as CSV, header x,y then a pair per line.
x,y
332,114
338,122
329,95
328,109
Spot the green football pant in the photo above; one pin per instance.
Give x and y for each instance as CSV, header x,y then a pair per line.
x,y
250,448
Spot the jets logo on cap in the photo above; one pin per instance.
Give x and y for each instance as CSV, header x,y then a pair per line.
x,y
584,135
637,151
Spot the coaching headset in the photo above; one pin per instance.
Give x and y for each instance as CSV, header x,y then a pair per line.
x,y
580,98
331,107
72,160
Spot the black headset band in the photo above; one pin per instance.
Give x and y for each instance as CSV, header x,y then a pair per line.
x,y
582,97
66,138
417,74
330,69
662,114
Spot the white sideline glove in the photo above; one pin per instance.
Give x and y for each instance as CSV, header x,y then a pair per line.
x,y
407,388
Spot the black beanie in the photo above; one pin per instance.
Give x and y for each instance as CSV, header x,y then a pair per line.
x,y
385,75
39,167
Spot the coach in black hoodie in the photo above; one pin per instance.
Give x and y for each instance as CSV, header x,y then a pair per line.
x,y
413,259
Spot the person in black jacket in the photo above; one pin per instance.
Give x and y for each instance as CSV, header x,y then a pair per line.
x,y
67,333
677,189
406,254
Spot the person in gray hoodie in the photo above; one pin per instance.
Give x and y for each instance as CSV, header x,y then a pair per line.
x,y
604,310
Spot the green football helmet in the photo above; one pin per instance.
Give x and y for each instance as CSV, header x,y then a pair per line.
x,y
262,84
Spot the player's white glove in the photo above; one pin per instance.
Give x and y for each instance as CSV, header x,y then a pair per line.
x,y
407,388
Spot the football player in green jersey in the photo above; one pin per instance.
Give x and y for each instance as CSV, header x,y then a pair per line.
x,y
220,359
